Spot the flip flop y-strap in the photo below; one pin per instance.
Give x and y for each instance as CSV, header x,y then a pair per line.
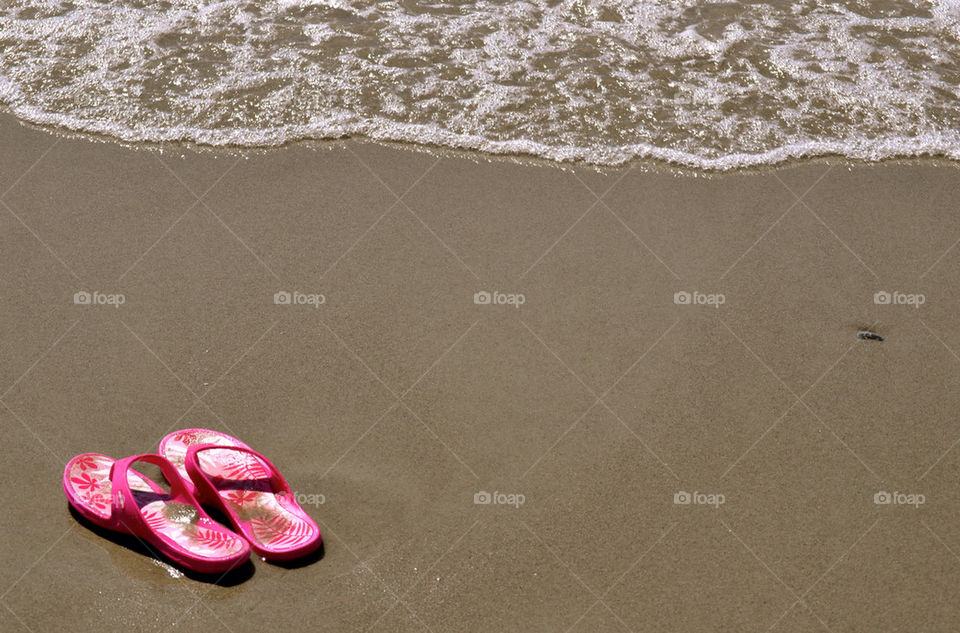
x,y
251,492
174,447
241,464
126,512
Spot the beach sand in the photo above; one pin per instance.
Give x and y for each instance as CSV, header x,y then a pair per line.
x,y
396,401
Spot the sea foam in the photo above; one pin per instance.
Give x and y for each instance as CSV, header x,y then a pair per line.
x,y
713,85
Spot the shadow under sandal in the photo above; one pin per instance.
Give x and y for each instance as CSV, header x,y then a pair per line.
x,y
248,489
112,495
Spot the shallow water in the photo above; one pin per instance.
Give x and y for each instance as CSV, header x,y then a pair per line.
x,y
704,84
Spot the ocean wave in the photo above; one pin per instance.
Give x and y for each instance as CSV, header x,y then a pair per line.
x,y
715,85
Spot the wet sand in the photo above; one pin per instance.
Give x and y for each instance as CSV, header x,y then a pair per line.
x,y
661,338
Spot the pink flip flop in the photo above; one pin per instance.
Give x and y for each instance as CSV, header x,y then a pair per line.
x,y
112,495
248,489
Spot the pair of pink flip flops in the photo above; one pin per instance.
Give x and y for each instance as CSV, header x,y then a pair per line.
x,y
201,466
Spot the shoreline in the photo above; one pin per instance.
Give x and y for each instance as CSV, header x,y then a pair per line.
x,y
681,164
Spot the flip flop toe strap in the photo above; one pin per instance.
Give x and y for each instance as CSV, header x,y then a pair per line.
x,y
203,480
125,509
